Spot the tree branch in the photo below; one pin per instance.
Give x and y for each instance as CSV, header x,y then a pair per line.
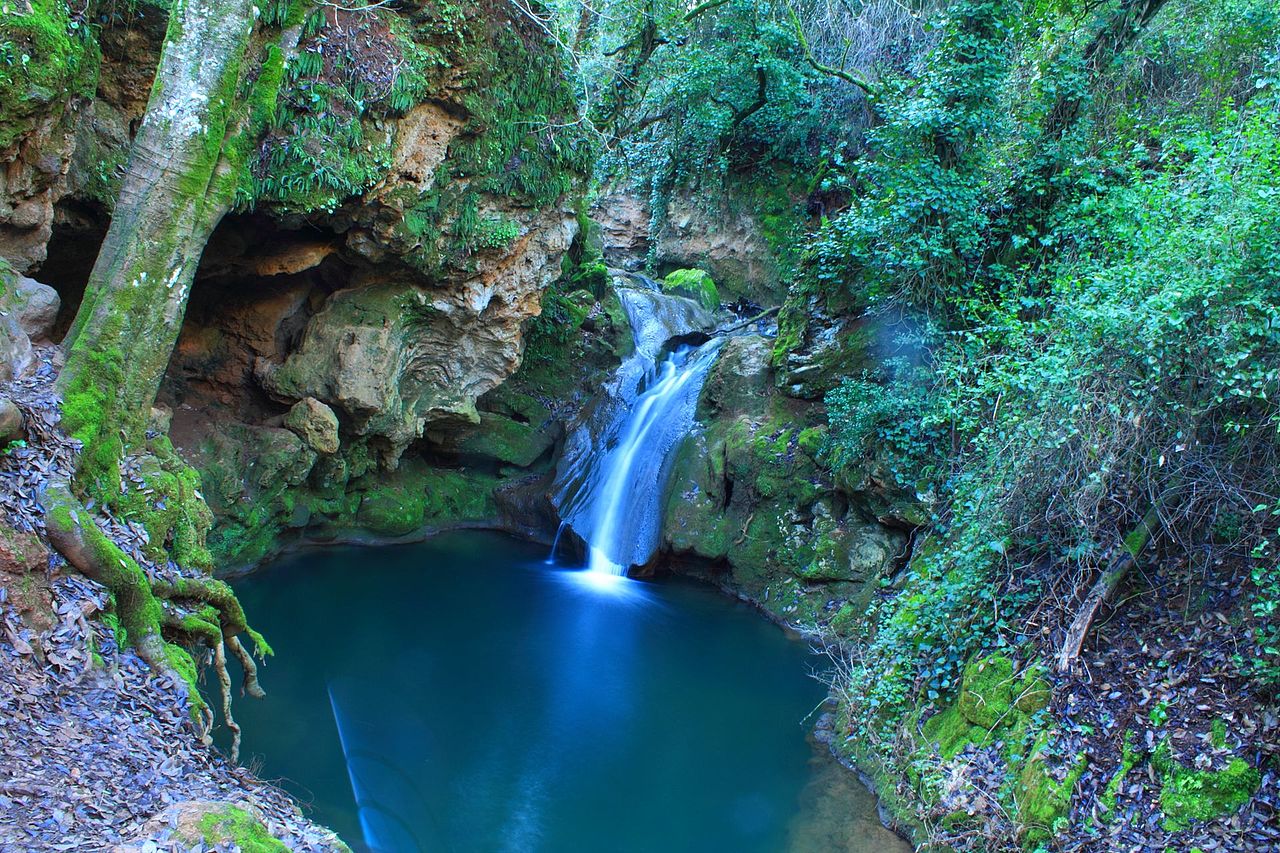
x,y
840,73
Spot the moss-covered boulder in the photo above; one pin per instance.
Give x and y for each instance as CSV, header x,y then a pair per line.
x,y
392,509
216,826
509,441
986,695
993,703
1188,794
695,284
314,423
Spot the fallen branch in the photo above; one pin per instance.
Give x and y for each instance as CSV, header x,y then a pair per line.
x,y
747,322
1104,588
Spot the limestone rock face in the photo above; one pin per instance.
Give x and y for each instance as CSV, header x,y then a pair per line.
x,y
396,356
726,243
314,423
725,239
624,228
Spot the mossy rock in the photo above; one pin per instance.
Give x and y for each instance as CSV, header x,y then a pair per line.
x,y
1032,694
695,284
507,441
51,59
987,692
992,705
459,495
1043,801
392,509
220,826
1187,794
951,732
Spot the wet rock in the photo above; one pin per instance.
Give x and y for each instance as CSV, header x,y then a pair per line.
x,y
695,284
315,423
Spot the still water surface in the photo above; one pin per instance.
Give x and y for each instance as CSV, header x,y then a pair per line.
x,y
461,695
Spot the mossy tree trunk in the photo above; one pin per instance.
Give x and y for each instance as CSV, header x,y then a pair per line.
x,y
214,92
180,181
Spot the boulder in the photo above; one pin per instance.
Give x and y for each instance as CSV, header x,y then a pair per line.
x,y
206,824
12,424
315,423
36,306
15,345
695,284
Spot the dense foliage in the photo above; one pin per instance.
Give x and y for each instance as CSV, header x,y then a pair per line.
x,y
1092,248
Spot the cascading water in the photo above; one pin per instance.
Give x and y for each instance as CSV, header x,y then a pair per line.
x,y
616,464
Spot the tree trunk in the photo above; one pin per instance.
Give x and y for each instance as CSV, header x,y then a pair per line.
x,y
178,185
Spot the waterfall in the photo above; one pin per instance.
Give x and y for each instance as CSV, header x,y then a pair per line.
x,y
614,473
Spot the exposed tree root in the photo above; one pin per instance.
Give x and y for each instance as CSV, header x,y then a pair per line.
x,y
224,683
250,667
71,530
187,610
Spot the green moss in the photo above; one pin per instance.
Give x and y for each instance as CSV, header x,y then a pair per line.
x,y
1043,801
695,284
169,506
392,509
1187,794
137,611
986,697
507,440
331,142
812,440
84,410
1032,694
952,732
235,826
992,705
46,56
183,664
793,320
1129,758
459,495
